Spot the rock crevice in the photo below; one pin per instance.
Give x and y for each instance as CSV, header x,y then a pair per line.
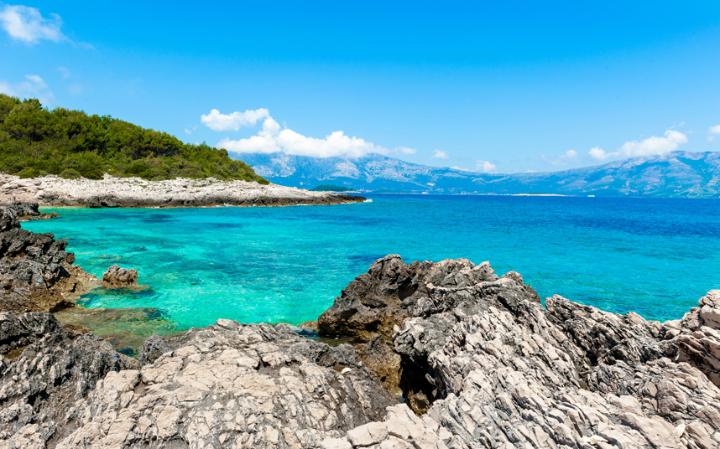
x,y
512,373
441,355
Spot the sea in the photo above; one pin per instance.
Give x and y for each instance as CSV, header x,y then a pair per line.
x,y
655,257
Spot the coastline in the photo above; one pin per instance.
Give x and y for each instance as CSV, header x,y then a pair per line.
x,y
438,355
52,191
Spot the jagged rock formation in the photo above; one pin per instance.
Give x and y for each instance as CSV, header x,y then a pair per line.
x,y
28,211
481,362
36,273
496,369
228,385
118,277
44,369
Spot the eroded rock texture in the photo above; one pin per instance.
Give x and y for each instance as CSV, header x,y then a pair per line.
x,y
228,385
44,370
480,361
36,273
118,277
493,368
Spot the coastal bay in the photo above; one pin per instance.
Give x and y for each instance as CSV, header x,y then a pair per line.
x,y
359,225
654,257
440,355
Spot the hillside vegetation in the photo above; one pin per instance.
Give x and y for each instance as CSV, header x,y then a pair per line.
x,y
35,141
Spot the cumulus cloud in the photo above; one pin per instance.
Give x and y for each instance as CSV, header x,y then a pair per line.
x,y
655,145
272,137
440,154
670,141
598,153
486,166
27,24
570,154
33,86
217,121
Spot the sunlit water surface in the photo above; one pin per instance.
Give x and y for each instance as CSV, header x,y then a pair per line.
x,y
286,264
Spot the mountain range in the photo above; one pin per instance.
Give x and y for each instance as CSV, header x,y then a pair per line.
x,y
676,174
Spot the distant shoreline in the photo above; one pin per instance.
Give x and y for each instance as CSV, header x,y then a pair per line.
x,y
52,191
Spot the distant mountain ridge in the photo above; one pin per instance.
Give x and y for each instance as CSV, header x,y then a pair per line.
x,y
676,174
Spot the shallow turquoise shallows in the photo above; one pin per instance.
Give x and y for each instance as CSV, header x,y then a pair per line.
x,y
654,257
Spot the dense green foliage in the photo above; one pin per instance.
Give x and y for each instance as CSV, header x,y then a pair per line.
x,y
35,141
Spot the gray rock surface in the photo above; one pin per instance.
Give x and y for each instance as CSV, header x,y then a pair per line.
x,y
228,385
118,277
496,369
36,273
481,362
135,192
44,369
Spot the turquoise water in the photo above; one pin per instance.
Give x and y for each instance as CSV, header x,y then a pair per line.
x,y
654,257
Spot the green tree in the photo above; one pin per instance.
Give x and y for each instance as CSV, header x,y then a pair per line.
x,y
35,141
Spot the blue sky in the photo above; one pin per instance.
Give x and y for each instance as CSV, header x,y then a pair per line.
x,y
503,86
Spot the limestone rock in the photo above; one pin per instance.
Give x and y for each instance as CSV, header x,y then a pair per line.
x,y
36,273
44,369
118,277
113,191
696,338
481,362
229,385
491,367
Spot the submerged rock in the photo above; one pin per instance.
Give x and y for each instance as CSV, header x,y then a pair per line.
x,y
125,328
118,277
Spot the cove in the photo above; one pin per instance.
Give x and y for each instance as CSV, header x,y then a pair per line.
x,y
655,257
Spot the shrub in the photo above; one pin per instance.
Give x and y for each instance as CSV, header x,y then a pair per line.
x,y
35,141
70,173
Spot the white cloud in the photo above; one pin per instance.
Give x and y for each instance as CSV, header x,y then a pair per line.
x,y
655,145
33,86
651,146
598,153
272,137
440,154
714,131
570,154
217,121
486,166
26,24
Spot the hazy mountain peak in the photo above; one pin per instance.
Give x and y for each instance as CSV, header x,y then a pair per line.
x,y
675,174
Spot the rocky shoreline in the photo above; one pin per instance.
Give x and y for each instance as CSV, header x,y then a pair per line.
x,y
436,355
136,192
36,273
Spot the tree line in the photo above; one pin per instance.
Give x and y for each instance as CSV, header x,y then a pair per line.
x,y
36,141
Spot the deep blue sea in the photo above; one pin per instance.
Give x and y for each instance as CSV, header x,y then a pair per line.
x,y
286,264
